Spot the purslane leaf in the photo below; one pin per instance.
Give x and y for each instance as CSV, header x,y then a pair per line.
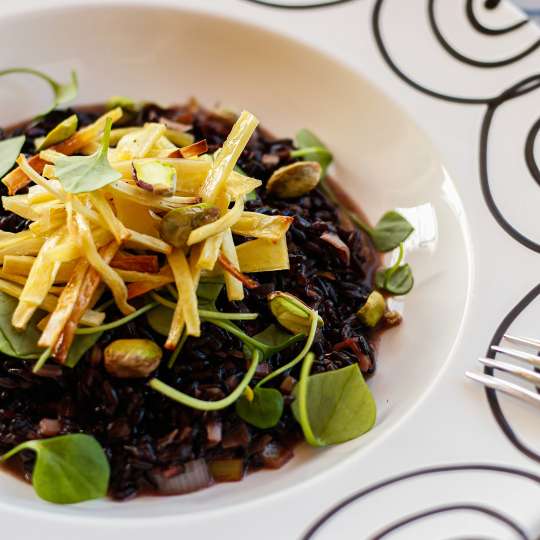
x,y
391,230
63,92
311,148
333,407
9,151
82,174
264,410
68,469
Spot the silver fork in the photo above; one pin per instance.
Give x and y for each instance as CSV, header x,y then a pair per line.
x,y
520,372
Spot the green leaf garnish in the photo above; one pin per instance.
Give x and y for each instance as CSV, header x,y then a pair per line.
x,y
63,93
397,279
9,152
59,133
333,407
391,230
264,409
80,345
13,343
311,148
81,174
69,469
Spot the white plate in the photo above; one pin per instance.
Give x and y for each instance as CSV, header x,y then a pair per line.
x,y
285,66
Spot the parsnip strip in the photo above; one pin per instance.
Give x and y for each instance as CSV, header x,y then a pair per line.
x,y
70,249
151,133
210,252
85,300
103,208
221,225
145,198
20,205
233,277
137,263
139,240
58,193
21,265
38,283
132,276
191,151
228,155
19,178
89,317
17,278
257,225
109,276
263,255
187,298
65,306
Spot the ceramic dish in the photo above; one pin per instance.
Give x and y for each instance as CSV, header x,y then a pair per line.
x,y
427,415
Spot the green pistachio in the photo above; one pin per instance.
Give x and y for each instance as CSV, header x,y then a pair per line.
x,y
59,133
294,180
127,358
373,310
177,224
291,312
155,176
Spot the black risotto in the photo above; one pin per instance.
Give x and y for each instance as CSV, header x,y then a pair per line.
x,y
149,438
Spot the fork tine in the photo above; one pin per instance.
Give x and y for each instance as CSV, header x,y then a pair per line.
x,y
507,387
532,359
518,371
523,340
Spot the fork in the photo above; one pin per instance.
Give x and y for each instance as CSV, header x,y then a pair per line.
x,y
520,372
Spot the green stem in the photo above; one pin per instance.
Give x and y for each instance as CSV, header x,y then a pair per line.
x,y
118,322
314,316
214,315
26,445
302,401
172,290
207,313
306,151
200,404
392,270
233,329
176,352
42,359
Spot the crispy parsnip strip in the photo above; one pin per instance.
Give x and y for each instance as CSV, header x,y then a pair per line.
x,y
187,300
221,225
145,198
228,155
257,225
70,248
17,278
194,256
132,276
109,276
234,279
137,263
103,208
65,306
53,219
85,300
263,255
58,192
38,283
191,151
20,205
21,264
89,317
139,240
18,178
